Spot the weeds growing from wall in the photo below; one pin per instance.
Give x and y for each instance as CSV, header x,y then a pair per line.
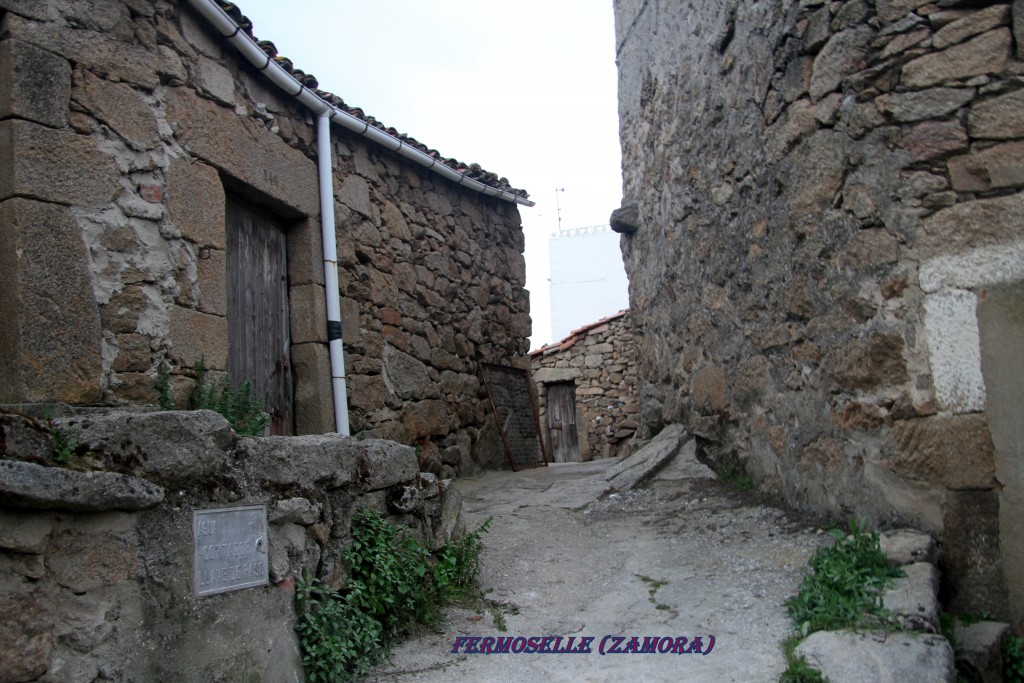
x,y
63,446
843,590
238,406
165,398
1013,660
730,471
394,583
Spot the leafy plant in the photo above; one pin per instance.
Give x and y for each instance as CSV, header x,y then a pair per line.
x,y
390,566
1013,660
947,627
165,398
797,668
729,470
338,639
458,564
63,446
845,586
843,590
238,406
393,583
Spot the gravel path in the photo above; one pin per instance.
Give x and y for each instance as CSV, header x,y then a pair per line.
x,y
682,558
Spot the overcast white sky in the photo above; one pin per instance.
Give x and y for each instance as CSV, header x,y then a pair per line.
x,y
527,89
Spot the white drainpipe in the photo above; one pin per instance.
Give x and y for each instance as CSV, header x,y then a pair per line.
x,y
326,113
324,168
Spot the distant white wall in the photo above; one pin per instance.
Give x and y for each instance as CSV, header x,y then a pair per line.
x,y
588,281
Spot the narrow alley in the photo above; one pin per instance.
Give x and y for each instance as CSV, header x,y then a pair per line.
x,y
682,558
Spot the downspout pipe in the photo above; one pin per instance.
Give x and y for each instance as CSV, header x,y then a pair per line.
x,y
328,234
327,113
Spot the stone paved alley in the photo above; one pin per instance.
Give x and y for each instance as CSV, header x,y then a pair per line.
x,y
571,563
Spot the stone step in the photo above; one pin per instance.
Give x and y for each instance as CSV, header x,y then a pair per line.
x,y
855,657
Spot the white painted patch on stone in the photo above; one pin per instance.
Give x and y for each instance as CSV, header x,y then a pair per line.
x,y
155,320
980,267
954,348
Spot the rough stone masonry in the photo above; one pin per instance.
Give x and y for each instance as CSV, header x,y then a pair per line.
x,y
599,361
125,129
96,553
824,235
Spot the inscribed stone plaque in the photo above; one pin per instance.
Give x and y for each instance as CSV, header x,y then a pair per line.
x,y
230,548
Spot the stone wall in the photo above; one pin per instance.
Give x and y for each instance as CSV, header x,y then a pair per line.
x,y
96,554
826,251
124,126
600,359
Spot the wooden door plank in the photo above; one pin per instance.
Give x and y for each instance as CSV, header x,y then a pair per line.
x,y
258,318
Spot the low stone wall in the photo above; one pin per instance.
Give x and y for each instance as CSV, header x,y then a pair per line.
x,y
96,553
600,359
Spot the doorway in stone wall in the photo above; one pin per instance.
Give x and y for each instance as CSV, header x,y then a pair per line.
x,y
562,433
259,339
1001,327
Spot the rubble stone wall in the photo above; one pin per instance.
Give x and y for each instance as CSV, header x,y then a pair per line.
x,y
96,552
600,360
124,125
827,253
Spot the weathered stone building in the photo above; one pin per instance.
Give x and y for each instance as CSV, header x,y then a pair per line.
x,y
157,191
586,391
826,257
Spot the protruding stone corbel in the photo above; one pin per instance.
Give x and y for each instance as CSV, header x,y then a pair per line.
x,y
626,219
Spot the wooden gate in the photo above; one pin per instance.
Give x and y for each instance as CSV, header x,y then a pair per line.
x,y
562,435
510,392
258,319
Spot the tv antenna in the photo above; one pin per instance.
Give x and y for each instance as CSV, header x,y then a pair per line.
x,y
558,208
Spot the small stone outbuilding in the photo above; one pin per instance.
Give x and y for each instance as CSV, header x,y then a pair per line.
x,y
159,205
586,391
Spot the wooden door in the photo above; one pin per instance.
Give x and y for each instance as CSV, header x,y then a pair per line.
x,y
258,321
565,446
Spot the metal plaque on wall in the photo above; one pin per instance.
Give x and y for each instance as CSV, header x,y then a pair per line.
x,y
230,549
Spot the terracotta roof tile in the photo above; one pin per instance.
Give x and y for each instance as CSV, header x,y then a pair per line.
x,y
472,171
595,327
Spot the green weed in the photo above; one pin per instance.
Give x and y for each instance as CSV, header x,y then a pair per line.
x,y
498,619
165,398
728,470
845,587
394,583
238,406
797,668
843,590
947,627
653,585
1013,660
63,446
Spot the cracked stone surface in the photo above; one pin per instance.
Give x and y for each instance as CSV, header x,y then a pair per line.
x,y
574,563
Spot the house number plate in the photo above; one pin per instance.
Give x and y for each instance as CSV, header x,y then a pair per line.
x,y
230,549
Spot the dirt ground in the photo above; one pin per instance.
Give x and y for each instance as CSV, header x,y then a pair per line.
x,y
684,558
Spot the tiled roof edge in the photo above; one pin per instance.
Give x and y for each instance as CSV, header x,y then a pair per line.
x,y
573,336
308,81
